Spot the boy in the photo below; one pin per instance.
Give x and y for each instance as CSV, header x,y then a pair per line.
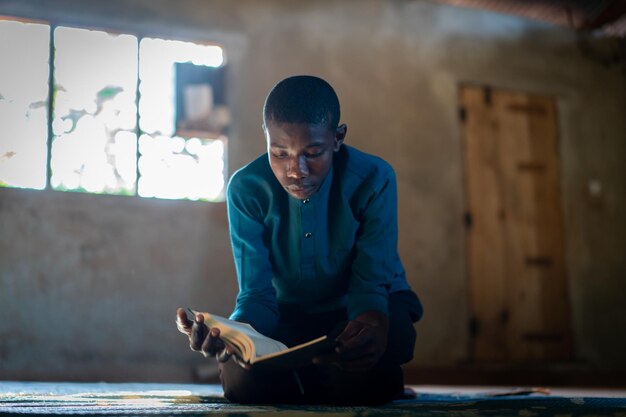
x,y
313,227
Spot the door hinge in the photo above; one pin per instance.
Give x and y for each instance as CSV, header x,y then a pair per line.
x,y
487,96
462,114
473,327
468,220
504,317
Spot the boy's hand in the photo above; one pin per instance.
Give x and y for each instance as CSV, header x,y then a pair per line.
x,y
361,343
204,340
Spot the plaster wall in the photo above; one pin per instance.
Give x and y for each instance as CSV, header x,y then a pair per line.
x,y
89,283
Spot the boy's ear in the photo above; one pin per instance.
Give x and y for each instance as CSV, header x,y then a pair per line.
x,y
340,136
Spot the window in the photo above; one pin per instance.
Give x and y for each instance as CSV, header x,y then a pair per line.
x,y
23,104
122,116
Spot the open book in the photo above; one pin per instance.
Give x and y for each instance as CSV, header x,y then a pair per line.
x,y
261,351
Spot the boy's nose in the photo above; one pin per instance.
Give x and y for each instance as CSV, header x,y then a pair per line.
x,y
298,168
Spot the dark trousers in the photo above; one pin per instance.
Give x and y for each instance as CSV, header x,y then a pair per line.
x,y
328,384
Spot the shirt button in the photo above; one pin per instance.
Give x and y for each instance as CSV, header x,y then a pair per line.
x,y
307,234
305,201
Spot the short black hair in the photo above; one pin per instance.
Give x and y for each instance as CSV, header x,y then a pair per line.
x,y
302,99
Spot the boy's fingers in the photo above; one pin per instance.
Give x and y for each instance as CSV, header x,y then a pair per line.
x,y
198,334
354,343
230,351
182,322
241,363
327,358
214,344
225,354
206,347
350,331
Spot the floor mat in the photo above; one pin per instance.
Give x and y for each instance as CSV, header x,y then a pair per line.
x,y
189,399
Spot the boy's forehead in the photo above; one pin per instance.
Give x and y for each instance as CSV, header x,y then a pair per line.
x,y
298,129
307,134
307,144
321,125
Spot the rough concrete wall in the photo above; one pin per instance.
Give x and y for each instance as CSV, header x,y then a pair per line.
x,y
397,67
90,284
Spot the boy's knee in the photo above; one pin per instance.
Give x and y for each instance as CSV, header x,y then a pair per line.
x,y
403,311
402,352
253,387
232,380
238,394
242,392
236,383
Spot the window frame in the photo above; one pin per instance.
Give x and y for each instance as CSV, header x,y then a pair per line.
x,y
53,24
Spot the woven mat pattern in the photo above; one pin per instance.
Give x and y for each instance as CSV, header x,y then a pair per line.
x,y
32,398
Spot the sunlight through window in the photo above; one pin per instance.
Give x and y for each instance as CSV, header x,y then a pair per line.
x,y
134,117
180,168
171,166
94,144
24,53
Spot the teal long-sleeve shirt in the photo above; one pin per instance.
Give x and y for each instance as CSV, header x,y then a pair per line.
x,y
337,248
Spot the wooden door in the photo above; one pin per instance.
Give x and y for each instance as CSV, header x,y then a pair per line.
x,y
517,282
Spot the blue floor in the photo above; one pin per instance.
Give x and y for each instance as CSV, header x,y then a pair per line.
x,y
34,398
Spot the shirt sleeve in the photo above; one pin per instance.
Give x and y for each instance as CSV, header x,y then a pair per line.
x,y
256,301
376,248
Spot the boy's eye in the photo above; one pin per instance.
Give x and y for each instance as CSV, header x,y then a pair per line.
x,y
279,155
314,154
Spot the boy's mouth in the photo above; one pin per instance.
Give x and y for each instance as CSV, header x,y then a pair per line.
x,y
301,190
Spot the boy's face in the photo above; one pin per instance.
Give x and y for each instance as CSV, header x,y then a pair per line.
x,y
301,154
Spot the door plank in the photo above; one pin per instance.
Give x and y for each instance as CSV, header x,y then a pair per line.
x,y
485,245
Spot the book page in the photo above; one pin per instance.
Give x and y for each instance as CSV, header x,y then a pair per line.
x,y
296,356
255,343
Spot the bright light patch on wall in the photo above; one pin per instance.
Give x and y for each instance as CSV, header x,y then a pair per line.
x,y
94,143
24,53
171,166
